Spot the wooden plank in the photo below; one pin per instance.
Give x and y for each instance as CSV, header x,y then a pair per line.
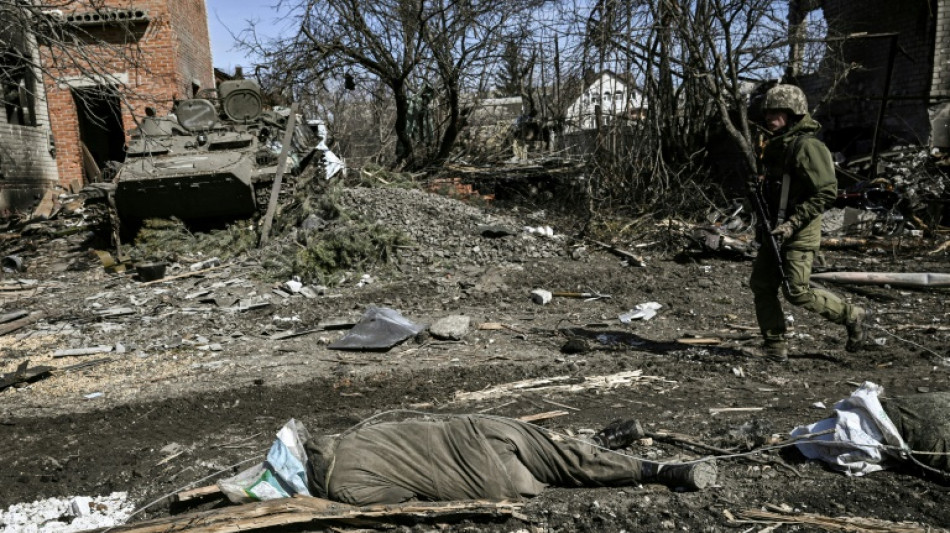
x,y
702,341
317,511
894,279
281,164
632,259
10,317
25,375
828,523
200,492
537,417
14,325
718,410
44,210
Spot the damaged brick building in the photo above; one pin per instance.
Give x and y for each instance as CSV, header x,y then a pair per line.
x,y
886,69
99,64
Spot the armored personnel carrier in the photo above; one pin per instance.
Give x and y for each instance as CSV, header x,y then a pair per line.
x,y
211,158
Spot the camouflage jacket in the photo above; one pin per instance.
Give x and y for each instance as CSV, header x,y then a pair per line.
x,y
813,185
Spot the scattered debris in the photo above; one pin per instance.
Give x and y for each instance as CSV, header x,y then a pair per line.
x,y
151,271
76,352
779,516
23,374
631,258
65,515
12,263
380,328
644,311
586,296
541,296
453,327
15,324
560,383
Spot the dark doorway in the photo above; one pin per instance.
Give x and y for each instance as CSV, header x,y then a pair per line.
x,y
101,135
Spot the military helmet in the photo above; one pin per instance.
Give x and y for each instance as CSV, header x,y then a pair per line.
x,y
786,97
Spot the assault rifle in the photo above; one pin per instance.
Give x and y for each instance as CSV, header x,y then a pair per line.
x,y
765,227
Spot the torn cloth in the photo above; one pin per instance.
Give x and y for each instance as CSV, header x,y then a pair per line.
x,y
864,440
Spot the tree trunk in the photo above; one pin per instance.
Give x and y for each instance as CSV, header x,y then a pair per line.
x,y
453,126
403,139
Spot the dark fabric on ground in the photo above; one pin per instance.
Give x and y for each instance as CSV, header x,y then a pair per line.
x,y
924,423
465,457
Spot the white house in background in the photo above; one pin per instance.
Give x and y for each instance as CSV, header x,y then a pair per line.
x,y
616,98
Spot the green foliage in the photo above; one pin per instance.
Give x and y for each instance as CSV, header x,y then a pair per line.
x,y
355,246
169,239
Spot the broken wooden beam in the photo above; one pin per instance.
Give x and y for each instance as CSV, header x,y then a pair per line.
x,y
538,417
700,341
79,352
200,492
861,243
632,258
14,325
14,315
316,511
895,279
23,374
828,523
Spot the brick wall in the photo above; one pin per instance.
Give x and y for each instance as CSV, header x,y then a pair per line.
x,y
189,18
27,168
906,119
940,84
155,68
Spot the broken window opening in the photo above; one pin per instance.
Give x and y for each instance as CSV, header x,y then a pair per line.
x,y
17,84
101,134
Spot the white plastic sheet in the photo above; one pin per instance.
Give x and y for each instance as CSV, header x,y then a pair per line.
x,y
644,311
864,436
282,475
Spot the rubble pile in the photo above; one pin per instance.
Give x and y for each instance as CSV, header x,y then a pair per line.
x,y
61,214
446,230
219,298
915,176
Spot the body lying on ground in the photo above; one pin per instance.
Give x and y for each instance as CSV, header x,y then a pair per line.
x,y
478,457
869,433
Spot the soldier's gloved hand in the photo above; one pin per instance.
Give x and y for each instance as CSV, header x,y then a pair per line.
x,y
783,231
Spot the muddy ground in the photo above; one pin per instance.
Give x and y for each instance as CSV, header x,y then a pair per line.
x,y
198,384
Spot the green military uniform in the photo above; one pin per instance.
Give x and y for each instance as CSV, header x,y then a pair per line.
x,y
472,457
923,421
459,458
812,189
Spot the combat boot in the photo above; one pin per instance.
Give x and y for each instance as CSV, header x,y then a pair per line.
x,y
776,351
619,434
858,329
773,351
695,476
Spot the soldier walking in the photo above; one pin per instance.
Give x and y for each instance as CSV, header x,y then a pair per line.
x,y
799,184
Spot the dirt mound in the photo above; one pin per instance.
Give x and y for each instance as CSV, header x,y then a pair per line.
x,y
196,373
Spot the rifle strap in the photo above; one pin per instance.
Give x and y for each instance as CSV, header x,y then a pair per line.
x,y
787,177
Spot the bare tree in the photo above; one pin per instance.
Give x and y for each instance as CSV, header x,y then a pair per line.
x,y
696,61
37,40
408,46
